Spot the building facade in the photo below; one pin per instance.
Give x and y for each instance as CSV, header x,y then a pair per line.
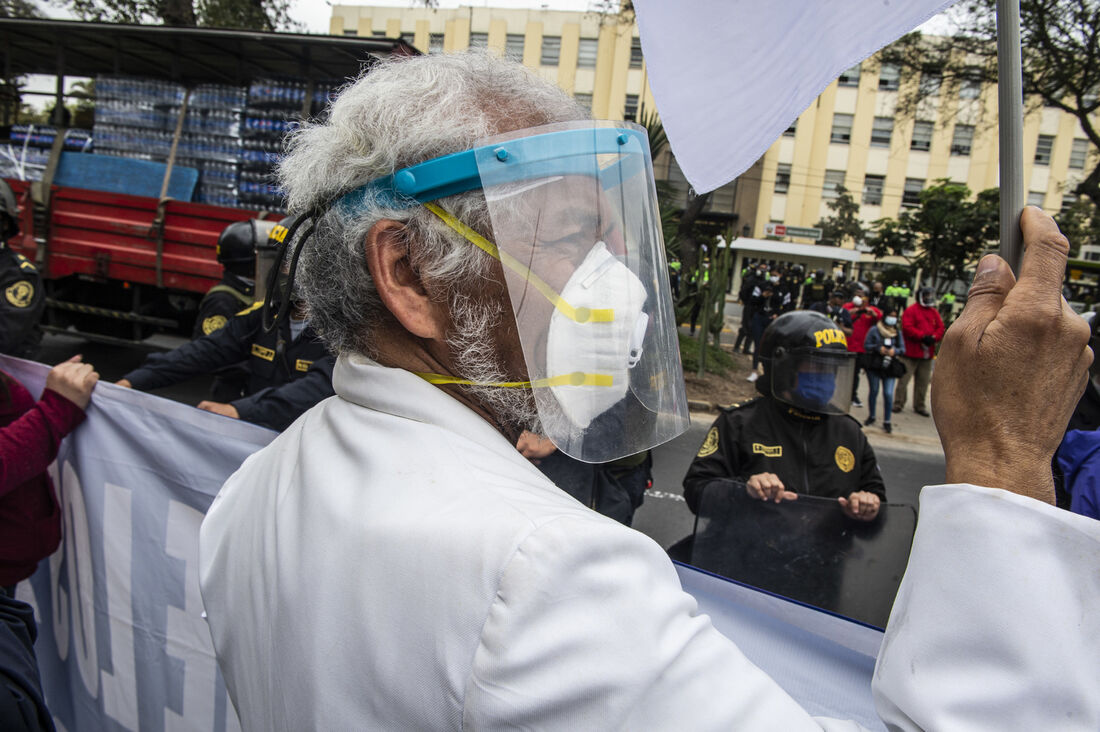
x,y
593,56
852,135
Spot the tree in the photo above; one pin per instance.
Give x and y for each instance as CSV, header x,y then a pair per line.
x,y
945,236
844,224
264,15
1061,61
1081,225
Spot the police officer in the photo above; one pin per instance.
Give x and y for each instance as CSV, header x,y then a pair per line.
x,y
289,367
237,255
797,438
23,298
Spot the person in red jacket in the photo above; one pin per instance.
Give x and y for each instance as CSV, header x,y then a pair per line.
x,y
864,316
30,433
922,328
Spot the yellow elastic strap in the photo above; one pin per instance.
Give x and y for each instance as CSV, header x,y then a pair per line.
x,y
577,378
580,315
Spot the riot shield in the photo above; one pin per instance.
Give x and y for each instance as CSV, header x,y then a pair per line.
x,y
806,550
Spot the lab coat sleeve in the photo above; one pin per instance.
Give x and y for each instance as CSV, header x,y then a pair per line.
x,y
590,630
995,625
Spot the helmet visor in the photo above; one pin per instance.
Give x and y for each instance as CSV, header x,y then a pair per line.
x,y
814,381
574,216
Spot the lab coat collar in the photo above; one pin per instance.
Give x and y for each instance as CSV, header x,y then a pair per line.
x,y
359,380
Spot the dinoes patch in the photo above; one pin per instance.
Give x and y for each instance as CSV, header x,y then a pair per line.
x,y
213,323
20,294
265,353
710,445
767,450
302,365
845,460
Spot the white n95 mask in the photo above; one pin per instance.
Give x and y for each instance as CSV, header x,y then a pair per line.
x,y
603,349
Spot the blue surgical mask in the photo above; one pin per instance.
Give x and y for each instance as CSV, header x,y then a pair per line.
x,y
891,320
815,389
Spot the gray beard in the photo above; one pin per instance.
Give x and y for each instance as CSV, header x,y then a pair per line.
x,y
473,348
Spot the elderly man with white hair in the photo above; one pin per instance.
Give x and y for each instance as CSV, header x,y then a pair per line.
x,y
485,260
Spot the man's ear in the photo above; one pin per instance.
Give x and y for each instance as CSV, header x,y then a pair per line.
x,y
399,284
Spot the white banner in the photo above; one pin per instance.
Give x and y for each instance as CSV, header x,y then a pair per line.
x,y
122,642
729,76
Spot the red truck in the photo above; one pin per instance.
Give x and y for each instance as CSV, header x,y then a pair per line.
x,y
119,266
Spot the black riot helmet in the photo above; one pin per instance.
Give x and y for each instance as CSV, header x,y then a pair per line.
x,y
237,248
268,253
807,363
9,211
926,296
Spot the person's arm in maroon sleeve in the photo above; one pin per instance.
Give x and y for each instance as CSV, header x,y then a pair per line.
x,y
30,443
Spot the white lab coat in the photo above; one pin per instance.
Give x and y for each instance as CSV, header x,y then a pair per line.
x,y
392,562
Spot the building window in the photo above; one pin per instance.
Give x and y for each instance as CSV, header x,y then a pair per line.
x,y
1043,149
479,40
1078,153
782,178
585,100
872,190
630,109
789,132
922,136
1036,198
834,181
636,53
842,128
881,131
551,50
962,140
910,196
970,86
930,83
889,77
435,43
1067,202
586,53
849,77
513,46
350,32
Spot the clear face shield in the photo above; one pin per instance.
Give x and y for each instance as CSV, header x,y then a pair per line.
x,y
574,215
269,236
575,225
814,381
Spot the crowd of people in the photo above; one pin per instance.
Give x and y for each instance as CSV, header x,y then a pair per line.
x,y
894,340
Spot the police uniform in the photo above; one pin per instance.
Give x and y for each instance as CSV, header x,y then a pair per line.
x,y
21,306
286,375
221,302
813,454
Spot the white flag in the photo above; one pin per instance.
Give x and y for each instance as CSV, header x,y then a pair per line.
x,y
729,76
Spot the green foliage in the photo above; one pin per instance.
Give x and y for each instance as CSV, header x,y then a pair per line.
x,y
1081,225
945,236
844,224
717,361
1060,46
19,9
895,272
262,15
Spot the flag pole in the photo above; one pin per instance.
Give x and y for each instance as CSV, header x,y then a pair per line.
x,y
1010,113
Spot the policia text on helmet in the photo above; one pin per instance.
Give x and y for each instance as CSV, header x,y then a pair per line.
x,y
807,363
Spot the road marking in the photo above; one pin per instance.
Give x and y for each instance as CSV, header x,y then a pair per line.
x,y
662,494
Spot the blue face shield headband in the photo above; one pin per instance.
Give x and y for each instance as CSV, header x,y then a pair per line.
x,y
561,153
